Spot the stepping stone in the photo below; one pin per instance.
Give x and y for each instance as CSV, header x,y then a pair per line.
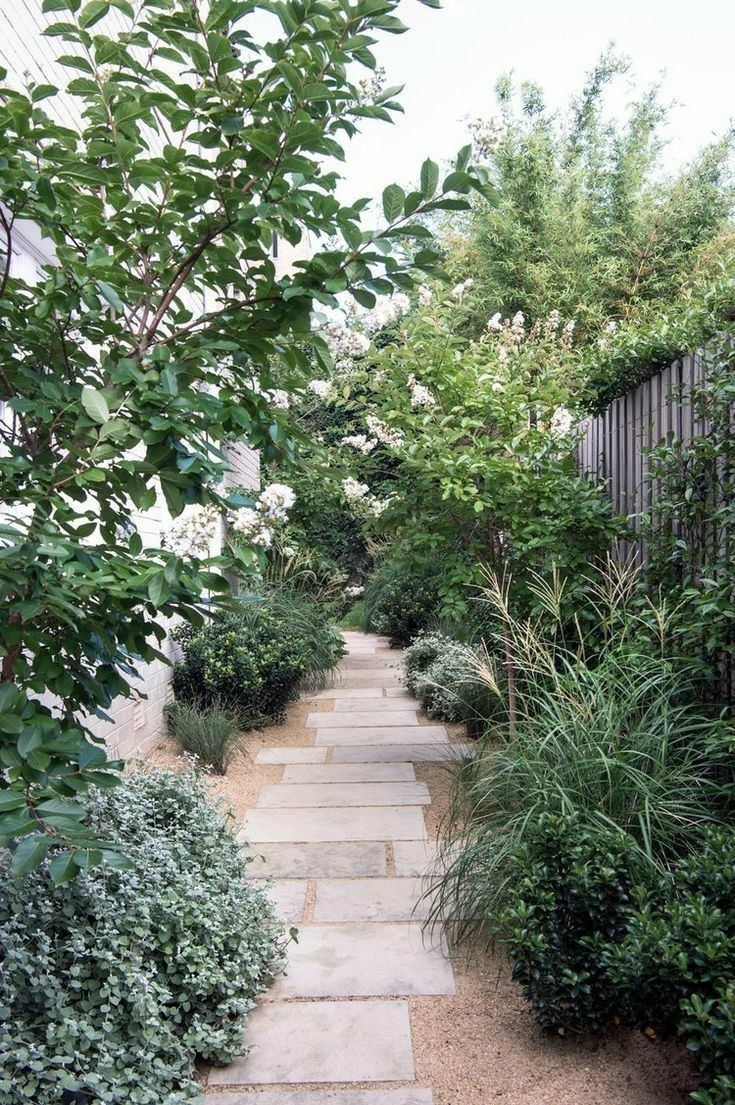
x,y
291,756
372,677
333,961
380,705
349,773
328,860
323,1041
408,1096
353,662
378,734
397,692
343,692
288,896
373,823
370,900
393,753
414,857
291,796
361,719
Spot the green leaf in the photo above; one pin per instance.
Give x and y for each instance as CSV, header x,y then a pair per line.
x,y
110,295
11,799
60,5
30,853
393,197
45,192
9,723
95,404
92,12
62,868
158,589
429,178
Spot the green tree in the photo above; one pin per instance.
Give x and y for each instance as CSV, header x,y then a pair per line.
x,y
584,221
132,362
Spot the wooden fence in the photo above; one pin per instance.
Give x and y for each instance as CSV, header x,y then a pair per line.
x,y
613,446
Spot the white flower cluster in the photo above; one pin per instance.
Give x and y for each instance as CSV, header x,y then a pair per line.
x,y
256,523
354,491
486,133
387,311
194,532
420,395
384,433
561,422
277,398
377,506
361,442
354,591
371,87
345,344
458,291
610,328
321,388
425,296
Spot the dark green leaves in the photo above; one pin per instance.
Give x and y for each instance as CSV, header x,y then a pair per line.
x,y
393,198
429,178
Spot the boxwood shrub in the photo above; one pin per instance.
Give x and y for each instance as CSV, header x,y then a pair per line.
x,y
113,984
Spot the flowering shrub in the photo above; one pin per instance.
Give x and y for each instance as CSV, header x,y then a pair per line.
x,y
113,984
256,525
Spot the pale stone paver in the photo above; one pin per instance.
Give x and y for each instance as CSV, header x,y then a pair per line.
x,y
368,691
393,899
349,773
360,960
288,897
326,860
323,1041
286,795
408,1096
363,719
342,841
396,753
389,705
291,756
414,857
372,823
377,734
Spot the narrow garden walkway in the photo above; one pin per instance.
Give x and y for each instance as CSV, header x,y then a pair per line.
x,y
343,838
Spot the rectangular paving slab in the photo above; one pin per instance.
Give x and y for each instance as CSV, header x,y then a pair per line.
x,y
323,1041
365,859
393,753
349,773
375,677
362,719
288,897
365,961
306,826
292,795
414,857
404,1096
370,900
379,734
381,705
353,662
291,755
346,692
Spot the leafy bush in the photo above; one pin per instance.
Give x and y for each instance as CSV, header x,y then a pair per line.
x,y
572,894
210,733
400,601
113,983
253,662
421,654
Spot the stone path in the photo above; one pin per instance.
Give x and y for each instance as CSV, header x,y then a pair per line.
x,y
344,844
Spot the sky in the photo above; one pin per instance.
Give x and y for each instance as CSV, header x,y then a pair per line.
x,y
449,61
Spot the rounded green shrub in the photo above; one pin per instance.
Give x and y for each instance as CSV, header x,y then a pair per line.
x,y
401,599
113,984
